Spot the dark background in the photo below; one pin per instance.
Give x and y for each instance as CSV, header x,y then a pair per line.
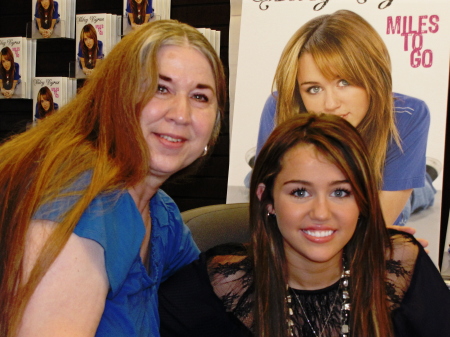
x,y
209,185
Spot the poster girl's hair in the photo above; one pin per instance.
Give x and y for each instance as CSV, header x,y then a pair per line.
x,y
339,48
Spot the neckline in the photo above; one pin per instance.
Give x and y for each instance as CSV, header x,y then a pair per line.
x,y
333,286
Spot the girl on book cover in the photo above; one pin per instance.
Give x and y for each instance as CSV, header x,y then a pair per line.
x,y
9,73
47,16
139,12
45,105
90,49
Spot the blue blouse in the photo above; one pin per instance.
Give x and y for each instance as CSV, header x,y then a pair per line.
x,y
114,222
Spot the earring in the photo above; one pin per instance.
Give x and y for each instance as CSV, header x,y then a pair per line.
x,y
271,215
205,151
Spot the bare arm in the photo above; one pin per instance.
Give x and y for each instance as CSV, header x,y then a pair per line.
x,y
70,299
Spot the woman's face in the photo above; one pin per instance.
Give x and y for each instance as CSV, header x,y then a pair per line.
x,y
336,96
45,103
315,208
6,63
88,40
178,121
45,3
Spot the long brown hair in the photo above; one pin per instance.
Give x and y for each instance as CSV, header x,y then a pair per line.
x,y
343,44
90,32
48,11
7,53
341,144
45,93
99,131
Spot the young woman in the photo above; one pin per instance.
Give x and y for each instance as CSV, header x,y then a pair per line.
x,y
90,49
321,261
9,73
45,105
329,66
138,12
47,16
86,234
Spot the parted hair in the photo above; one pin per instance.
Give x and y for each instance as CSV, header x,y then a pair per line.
x,y
7,54
49,11
338,142
98,131
343,44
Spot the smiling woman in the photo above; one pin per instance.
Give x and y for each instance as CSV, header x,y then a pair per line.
x,y
87,236
320,262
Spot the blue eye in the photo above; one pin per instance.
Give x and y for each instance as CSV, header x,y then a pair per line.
x,y
314,90
343,83
341,193
300,193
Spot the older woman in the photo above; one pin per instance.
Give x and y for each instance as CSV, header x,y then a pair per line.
x,y
86,234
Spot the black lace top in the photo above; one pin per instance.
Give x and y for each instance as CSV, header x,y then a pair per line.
x,y
190,308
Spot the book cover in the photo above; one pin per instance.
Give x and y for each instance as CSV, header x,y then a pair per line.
x,y
49,18
93,42
49,94
13,67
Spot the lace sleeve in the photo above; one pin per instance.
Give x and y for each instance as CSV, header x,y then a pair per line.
x,y
400,267
230,273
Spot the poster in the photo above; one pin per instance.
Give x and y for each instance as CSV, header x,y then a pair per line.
x,y
415,32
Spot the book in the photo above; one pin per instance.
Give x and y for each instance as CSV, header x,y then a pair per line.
x,y
95,36
16,69
50,94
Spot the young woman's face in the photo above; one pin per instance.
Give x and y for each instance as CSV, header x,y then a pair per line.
x,y
315,208
45,103
6,63
178,121
45,3
336,96
88,41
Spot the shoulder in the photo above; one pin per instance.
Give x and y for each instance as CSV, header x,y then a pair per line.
x,y
230,271
400,265
164,209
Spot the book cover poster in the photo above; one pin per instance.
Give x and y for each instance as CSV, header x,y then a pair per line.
x,y
93,42
13,67
48,19
49,94
415,32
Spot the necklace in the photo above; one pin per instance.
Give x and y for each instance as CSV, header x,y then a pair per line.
x,y
344,283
